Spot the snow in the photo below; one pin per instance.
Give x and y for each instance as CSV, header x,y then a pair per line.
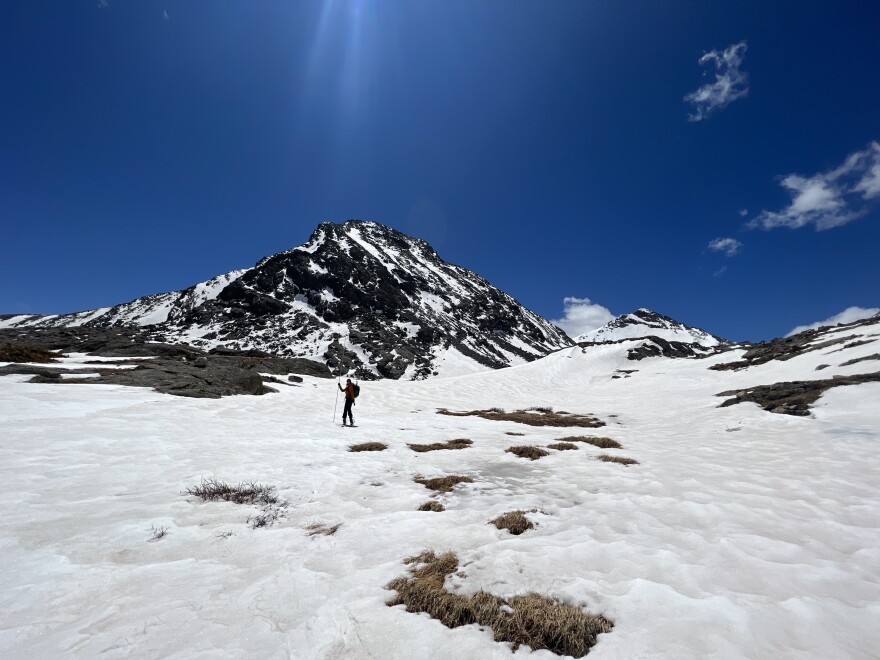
x,y
741,534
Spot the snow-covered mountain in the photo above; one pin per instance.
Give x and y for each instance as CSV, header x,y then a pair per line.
x,y
646,323
358,294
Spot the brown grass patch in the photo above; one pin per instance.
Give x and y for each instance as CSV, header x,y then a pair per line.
x,y
432,505
596,441
525,451
532,619
443,484
460,443
513,433
513,521
532,417
617,459
562,446
12,353
324,530
369,446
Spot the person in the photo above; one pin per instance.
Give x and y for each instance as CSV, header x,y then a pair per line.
x,y
349,401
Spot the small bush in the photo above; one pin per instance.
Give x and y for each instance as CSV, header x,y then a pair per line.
x,y
596,441
461,443
443,484
617,459
542,409
524,451
531,619
513,521
246,492
562,446
432,505
369,446
266,518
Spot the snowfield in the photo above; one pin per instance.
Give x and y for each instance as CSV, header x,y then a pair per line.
x,y
740,533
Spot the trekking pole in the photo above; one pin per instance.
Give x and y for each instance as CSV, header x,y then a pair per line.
x,y
337,389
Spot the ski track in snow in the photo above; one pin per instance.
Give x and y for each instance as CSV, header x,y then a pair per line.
x,y
741,534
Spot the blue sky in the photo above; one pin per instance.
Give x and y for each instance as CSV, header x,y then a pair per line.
x,y
581,150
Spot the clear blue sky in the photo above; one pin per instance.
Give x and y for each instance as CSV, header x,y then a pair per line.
x,y
146,146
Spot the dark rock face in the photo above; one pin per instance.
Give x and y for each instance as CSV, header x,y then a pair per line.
x,y
793,398
362,297
171,369
656,347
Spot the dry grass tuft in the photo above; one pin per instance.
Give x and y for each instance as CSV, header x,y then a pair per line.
x,y
532,417
443,484
513,521
432,505
524,451
596,441
617,459
246,492
513,433
562,446
12,353
369,446
320,528
461,443
532,619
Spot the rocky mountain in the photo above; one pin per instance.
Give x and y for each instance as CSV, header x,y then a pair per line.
x,y
644,323
359,296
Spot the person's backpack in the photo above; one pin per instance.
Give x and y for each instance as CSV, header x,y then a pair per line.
x,y
356,390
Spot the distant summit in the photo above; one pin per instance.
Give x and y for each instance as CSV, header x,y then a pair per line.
x,y
644,323
359,296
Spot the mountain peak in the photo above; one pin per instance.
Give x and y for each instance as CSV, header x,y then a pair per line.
x,y
645,322
361,296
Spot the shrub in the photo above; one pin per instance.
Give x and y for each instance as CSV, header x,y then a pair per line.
x,y
369,446
539,622
246,492
524,451
513,521
461,443
596,441
443,484
617,459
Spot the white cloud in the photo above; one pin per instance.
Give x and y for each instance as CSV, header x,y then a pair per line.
x,y
729,246
848,315
828,199
729,85
582,315
743,213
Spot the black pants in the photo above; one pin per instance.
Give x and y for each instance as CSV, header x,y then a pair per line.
x,y
347,411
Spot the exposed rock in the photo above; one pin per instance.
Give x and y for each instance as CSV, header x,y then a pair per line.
x,y
795,397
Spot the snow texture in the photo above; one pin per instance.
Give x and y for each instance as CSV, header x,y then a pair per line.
x,y
740,533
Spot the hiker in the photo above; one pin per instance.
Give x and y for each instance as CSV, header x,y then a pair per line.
x,y
349,401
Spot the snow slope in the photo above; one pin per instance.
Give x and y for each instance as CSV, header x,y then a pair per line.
x,y
740,533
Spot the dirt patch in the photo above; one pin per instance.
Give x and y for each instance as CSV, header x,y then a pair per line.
x,y
532,417
617,459
461,443
563,446
19,353
513,521
432,505
443,484
795,397
369,446
595,440
539,622
526,451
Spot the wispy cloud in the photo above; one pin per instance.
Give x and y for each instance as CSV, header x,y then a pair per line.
x,y
729,246
165,14
848,315
729,85
720,271
743,213
582,315
828,199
